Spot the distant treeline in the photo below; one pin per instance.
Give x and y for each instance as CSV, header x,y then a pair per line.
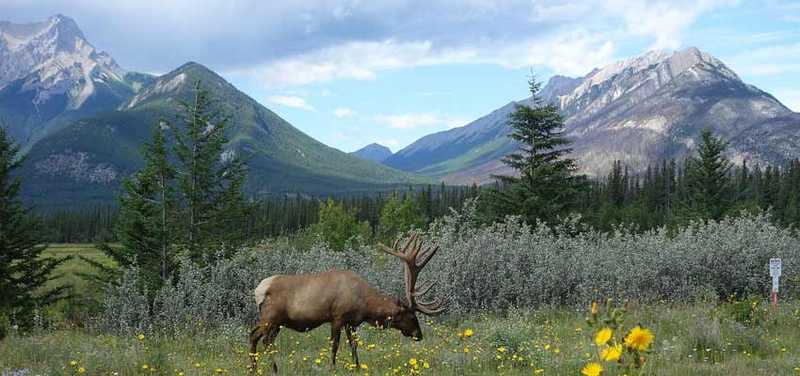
x,y
665,194
265,218
647,200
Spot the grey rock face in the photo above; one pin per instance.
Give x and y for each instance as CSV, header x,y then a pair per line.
x,y
639,110
48,69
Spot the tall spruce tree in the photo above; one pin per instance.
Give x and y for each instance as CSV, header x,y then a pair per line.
x,y
547,185
210,180
707,180
145,227
23,270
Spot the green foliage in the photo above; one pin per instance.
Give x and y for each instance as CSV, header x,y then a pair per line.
x,y
751,311
339,226
399,215
547,186
23,273
5,325
146,223
209,180
194,206
707,182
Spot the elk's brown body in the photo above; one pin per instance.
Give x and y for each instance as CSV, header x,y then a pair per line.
x,y
305,301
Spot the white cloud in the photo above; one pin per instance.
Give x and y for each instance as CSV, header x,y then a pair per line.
x,y
343,112
567,39
419,120
574,53
768,61
291,101
663,21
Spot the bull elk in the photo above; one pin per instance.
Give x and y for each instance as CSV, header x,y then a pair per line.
x,y
305,301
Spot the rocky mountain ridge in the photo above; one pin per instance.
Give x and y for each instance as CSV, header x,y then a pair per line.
x,y
638,110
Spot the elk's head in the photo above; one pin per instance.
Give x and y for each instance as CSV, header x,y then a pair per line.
x,y
415,257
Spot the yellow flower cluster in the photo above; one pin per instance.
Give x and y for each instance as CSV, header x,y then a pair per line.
x,y
636,342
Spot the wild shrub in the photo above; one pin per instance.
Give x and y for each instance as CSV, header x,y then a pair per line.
x,y
494,268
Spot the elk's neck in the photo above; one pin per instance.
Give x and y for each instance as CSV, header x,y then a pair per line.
x,y
380,308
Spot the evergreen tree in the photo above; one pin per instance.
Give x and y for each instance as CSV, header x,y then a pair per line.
x,y
23,270
145,228
547,185
707,180
210,179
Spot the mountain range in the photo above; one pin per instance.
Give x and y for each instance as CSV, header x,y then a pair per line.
x,y
81,120
373,152
639,111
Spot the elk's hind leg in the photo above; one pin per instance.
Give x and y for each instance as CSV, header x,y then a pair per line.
x,y
268,332
336,332
350,331
255,335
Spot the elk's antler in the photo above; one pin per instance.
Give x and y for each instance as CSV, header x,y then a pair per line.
x,y
415,257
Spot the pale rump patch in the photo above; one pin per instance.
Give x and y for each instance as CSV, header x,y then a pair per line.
x,y
261,290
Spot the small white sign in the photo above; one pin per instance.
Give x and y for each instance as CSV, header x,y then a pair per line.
x,y
775,284
775,267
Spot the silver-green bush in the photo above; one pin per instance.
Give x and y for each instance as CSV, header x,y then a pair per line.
x,y
498,267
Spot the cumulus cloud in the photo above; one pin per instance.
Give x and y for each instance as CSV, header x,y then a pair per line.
x,y
768,61
291,101
343,112
291,43
419,120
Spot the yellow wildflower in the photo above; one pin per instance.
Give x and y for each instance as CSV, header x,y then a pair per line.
x,y
81,370
364,366
145,366
73,363
611,353
602,336
140,337
412,362
595,308
592,369
468,333
639,339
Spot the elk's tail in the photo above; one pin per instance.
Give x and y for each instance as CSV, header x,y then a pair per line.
x,y
261,292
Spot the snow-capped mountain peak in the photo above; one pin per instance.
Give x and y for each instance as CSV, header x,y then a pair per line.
x,y
648,71
52,59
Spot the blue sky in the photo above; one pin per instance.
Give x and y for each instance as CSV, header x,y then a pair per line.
x,y
354,72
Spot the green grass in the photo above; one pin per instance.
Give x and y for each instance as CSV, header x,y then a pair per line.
x,y
69,272
547,342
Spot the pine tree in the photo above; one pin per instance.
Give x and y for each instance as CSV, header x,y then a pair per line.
x,y
23,270
145,228
547,185
210,180
707,183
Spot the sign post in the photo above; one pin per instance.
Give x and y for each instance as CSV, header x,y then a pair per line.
x,y
775,273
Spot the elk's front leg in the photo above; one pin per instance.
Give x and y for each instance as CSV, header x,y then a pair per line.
x,y
350,331
336,331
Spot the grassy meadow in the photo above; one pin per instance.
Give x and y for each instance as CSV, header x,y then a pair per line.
x,y
741,338
689,340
